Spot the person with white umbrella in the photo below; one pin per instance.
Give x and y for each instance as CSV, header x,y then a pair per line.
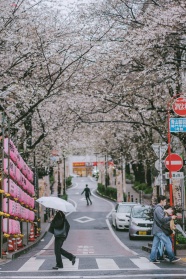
x,y
59,224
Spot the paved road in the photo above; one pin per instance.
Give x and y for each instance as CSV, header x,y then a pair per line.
x,y
100,251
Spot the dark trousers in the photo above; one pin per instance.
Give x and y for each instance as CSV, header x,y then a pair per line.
x,y
60,251
88,199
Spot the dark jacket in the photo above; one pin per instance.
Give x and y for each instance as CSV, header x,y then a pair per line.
x,y
57,222
86,191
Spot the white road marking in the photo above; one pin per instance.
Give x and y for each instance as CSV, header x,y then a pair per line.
x,y
67,265
84,219
32,264
82,249
107,264
46,247
150,275
144,263
118,240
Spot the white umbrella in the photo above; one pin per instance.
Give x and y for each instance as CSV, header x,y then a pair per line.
x,y
56,203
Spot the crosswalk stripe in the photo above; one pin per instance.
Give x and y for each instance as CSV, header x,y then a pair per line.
x,y
107,264
144,263
32,264
68,265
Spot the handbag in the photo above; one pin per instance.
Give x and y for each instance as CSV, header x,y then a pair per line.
x,y
62,232
165,228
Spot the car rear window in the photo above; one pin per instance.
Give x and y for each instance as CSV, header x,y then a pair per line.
x,y
124,208
141,212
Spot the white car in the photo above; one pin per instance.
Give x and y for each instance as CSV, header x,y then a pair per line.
x,y
140,222
120,220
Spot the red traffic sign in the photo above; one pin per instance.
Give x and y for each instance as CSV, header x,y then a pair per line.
x,y
173,162
179,106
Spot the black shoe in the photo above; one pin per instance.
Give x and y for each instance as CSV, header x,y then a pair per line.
x,y
73,260
57,266
155,262
160,259
175,260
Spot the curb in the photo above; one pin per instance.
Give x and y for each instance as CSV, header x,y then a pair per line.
x,y
15,254
105,196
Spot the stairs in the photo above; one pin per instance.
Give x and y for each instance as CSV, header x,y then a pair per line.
x,y
179,252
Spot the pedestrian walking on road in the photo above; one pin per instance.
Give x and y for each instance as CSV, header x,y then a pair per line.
x,y
58,223
160,233
170,228
87,194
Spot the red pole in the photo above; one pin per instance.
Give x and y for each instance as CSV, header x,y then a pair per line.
x,y
169,153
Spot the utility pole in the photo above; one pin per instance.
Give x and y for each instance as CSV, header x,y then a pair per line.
x,y
160,150
64,175
59,181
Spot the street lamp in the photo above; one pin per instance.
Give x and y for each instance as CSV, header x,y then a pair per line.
x,y
59,182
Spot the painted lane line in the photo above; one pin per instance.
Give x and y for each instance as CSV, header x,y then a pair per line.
x,y
144,263
31,265
105,264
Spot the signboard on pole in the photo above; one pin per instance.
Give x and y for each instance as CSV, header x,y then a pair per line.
x,y
175,174
176,187
159,165
179,106
173,162
177,125
156,147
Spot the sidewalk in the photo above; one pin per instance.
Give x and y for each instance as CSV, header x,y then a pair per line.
x,y
135,195
12,255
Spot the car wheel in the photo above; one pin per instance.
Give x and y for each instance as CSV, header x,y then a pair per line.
x,y
116,227
113,223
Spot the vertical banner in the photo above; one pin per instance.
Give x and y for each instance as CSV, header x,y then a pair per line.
x,y
119,186
176,189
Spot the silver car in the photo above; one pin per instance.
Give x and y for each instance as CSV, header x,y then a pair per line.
x,y
120,215
140,224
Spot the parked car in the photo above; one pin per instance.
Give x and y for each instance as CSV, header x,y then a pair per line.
x,y
140,224
120,220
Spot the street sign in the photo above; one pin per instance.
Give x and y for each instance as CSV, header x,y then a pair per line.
x,y
179,106
177,125
174,174
173,162
156,147
157,165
